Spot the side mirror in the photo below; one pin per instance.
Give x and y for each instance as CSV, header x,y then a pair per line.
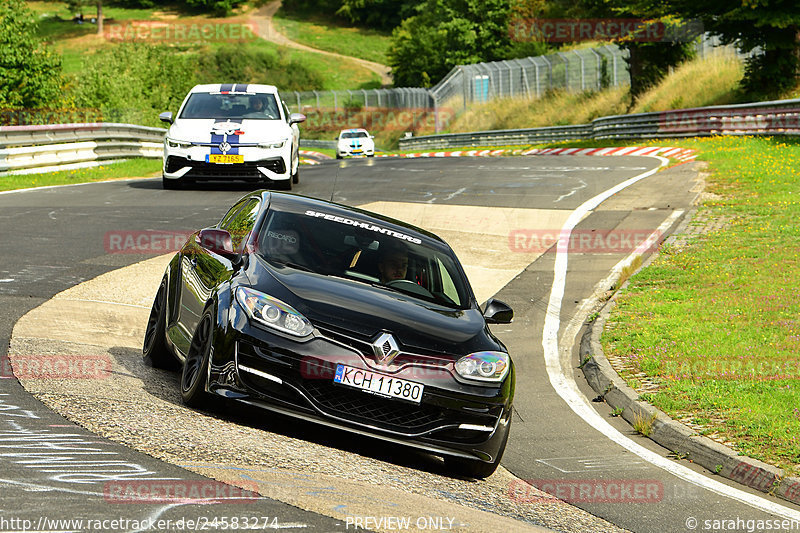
x,y
218,241
294,118
166,116
498,312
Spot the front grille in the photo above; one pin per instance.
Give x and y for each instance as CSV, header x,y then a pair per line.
x,y
363,407
364,347
248,170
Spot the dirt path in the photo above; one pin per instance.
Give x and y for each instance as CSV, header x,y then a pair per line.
x,y
266,30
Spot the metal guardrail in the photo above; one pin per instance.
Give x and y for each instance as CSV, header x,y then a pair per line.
x,y
27,148
316,143
53,147
780,117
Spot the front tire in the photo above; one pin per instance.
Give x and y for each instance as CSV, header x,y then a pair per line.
x,y
195,367
283,185
155,351
172,184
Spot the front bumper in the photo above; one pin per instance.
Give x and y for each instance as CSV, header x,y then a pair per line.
x,y
295,378
259,165
355,152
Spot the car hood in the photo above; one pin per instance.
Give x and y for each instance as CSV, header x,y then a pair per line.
x,y
245,130
359,142
364,310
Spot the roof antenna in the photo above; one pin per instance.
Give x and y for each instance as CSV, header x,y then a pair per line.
x,y
335,178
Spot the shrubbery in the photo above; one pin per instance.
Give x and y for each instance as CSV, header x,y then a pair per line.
x,y
134,82
251,64
30,75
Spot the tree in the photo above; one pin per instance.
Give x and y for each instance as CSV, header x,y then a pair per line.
x,y
648,62
446,33
770,29
78,5
30,75
378,14
219,7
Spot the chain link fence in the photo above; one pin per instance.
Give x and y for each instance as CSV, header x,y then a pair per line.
x,y
531,77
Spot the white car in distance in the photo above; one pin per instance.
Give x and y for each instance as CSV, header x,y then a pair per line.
x,y
355,142
232,131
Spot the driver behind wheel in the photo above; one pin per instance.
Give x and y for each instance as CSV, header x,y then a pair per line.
x,y
392,263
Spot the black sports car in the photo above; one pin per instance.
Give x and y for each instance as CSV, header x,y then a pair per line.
x,y
342,317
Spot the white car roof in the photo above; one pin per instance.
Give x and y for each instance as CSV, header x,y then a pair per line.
x,y
353,130
234,88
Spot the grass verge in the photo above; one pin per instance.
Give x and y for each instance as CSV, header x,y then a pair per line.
x,y
713,322
325,35
713,80
132,168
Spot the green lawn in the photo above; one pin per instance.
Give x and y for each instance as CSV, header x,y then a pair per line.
x,y
336,75
714,322
326,35
132,168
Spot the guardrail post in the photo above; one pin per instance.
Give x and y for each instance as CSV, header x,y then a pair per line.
x,y
583,76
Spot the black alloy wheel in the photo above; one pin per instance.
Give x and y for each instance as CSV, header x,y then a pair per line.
x,y
193,377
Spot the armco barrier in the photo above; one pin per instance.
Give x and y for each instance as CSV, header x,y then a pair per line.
x,y
46,148
762,118
26,148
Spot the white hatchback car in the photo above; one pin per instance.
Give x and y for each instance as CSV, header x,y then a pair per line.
x,y
232,131
355,142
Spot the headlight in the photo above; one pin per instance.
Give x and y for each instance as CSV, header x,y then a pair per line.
x,y
273,313
483,366
174,143
273,144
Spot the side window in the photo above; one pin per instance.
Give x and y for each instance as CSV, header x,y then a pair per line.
x,y
240,224
223,224
448,287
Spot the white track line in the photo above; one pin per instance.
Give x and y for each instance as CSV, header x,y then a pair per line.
x,y
564,384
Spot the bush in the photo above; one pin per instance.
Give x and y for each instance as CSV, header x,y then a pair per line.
x,y
134,82
242,64
30,75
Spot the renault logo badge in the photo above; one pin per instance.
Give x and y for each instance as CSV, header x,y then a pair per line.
x,y
385,349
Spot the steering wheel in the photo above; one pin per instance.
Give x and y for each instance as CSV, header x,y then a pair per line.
x,y
409,287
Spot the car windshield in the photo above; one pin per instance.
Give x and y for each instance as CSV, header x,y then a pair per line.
x,y
363,252
354,135
223,106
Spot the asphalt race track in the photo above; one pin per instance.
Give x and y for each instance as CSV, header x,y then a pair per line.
x,y
500,214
